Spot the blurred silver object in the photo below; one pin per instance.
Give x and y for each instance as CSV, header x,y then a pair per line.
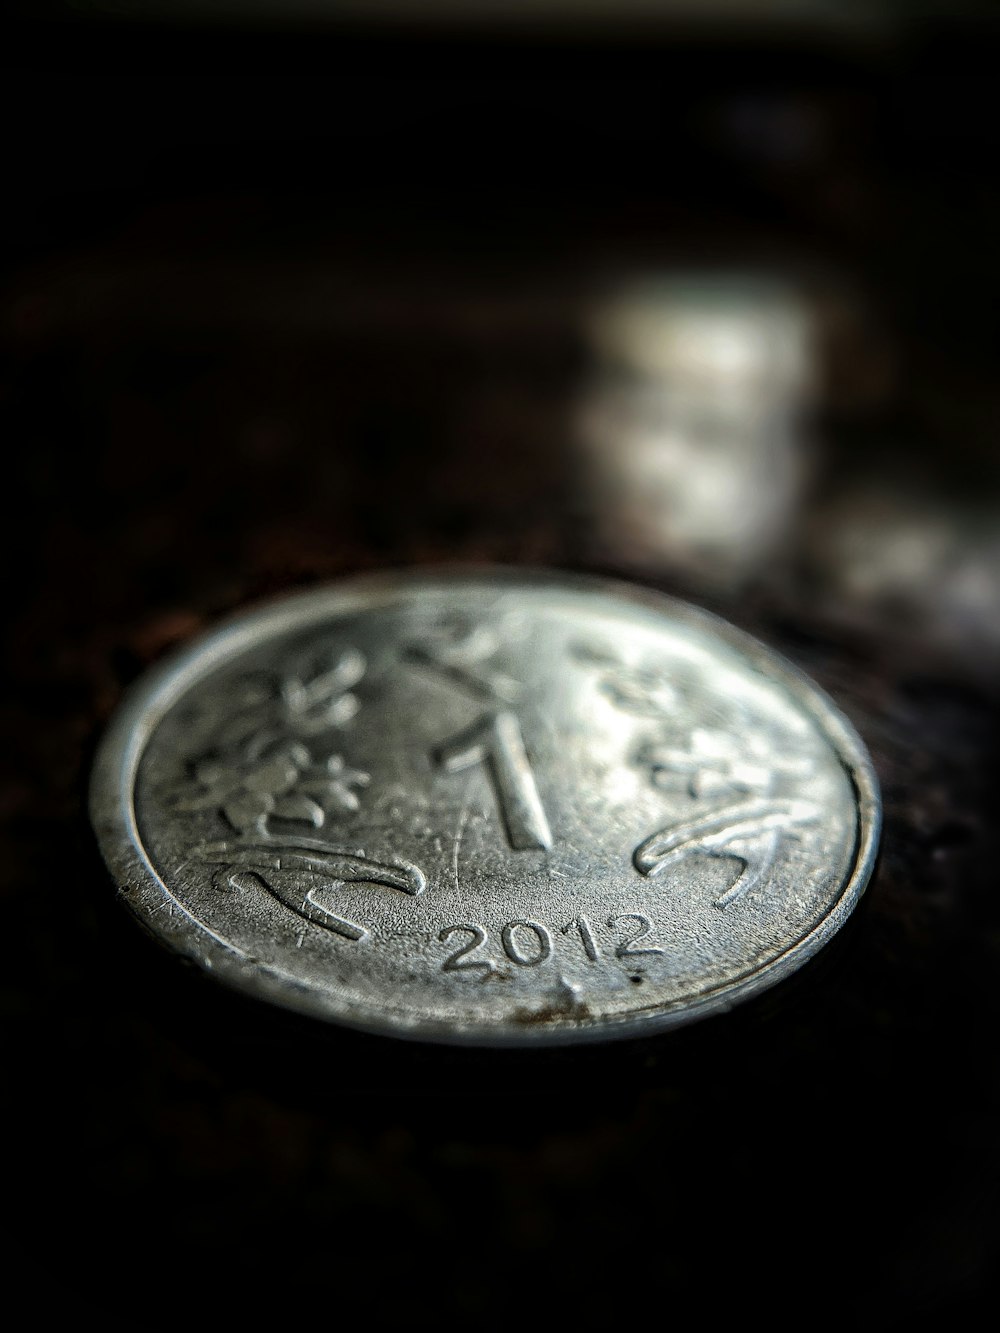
x,y
691,427
889,553
486,808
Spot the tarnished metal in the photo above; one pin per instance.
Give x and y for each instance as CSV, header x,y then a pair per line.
x,y
486,807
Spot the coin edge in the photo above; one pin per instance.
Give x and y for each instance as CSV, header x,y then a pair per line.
x,y
147,700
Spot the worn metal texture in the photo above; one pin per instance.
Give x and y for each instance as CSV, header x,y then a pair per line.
x,y
487,808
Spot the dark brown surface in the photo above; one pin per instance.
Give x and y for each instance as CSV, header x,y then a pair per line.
x,y
248,351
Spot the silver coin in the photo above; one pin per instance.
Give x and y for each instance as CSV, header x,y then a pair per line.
x,y
487,808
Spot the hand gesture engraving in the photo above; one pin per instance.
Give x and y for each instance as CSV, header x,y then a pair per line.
x,y
260,775
713,764
748,833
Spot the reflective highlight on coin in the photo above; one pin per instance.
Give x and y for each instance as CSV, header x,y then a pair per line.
x,y
487,808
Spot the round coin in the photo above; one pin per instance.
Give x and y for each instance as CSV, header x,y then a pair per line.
x,y
486,807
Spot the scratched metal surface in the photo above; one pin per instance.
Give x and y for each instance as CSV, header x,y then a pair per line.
x,y
256,342
487,809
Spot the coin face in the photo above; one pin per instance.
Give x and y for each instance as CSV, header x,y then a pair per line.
x,y
487,808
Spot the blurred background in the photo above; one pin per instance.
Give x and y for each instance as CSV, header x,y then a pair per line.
x,y
700,295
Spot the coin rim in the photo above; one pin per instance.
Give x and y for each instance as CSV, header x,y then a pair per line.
x,y
146,702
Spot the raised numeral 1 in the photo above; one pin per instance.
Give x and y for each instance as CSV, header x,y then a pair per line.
x,y
495,741
581,924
